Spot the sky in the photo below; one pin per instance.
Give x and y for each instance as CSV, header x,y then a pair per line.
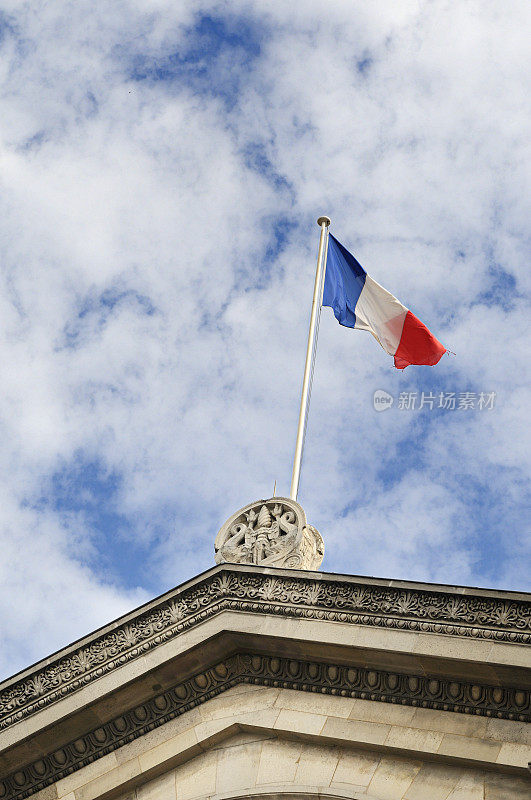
x,y
162,167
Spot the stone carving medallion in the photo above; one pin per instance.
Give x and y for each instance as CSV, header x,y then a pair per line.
x,y
270,533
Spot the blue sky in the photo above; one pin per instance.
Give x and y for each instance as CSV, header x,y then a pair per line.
x,y
161,173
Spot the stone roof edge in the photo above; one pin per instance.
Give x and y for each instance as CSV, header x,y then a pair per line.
x,y
509,594
458,611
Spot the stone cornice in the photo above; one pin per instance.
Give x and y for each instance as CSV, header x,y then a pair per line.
x,y
368,684
479,614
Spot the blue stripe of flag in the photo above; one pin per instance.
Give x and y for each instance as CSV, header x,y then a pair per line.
x,y
344,281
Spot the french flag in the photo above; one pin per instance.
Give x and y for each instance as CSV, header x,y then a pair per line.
x,y
359,302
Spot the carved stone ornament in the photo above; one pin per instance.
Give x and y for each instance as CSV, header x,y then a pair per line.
x,y
270,533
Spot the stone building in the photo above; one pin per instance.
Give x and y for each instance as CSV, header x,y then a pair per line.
x,y
263,678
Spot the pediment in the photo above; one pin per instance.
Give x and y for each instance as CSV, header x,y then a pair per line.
x,y
391,645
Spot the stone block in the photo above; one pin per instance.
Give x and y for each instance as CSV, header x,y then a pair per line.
x,y
502,653
167,750
467,747
245,737
314,703
229,704
265,719
516,755
390,713
278,761
237,767
162,788
470,786
433,781
109,781
88,773
506,730
392,778
50,793
163,733
300,721
317,765
449,722
414,739
208,733
345,730
506,787
196,778
355,768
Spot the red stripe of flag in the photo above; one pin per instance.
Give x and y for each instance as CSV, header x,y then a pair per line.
x,y
417,344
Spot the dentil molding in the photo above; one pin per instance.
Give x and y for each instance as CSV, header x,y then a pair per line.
x,y
288,673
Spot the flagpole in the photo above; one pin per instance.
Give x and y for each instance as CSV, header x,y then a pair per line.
x,y
311,349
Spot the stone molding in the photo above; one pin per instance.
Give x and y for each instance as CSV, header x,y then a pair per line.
x,y
287,673
294,791
359,601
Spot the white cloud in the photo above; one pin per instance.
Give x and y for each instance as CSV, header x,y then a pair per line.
x,y
149,324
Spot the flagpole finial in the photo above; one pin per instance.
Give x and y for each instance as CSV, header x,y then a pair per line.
x,y
325,220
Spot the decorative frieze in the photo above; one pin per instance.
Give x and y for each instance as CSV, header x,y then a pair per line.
x,y
358,601
368,684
